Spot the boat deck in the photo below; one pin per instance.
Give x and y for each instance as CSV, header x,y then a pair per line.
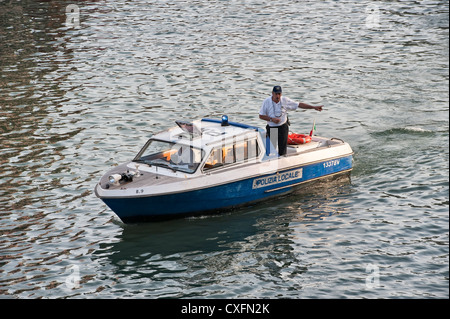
x,y
317,142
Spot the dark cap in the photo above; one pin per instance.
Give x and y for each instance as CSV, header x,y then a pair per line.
x,y
276,89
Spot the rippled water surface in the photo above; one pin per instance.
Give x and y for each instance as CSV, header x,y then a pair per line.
x,y
84,84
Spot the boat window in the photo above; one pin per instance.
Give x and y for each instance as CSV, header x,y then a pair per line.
x,y
241,151
174,156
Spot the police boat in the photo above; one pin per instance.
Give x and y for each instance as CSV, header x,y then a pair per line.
x,y
213,165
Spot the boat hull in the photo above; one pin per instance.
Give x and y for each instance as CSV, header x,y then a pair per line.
x,y
225,196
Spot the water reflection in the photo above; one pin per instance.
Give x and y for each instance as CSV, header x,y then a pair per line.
x,y
40,195
32,68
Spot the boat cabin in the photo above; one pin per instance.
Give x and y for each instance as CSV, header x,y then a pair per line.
x,y
203,146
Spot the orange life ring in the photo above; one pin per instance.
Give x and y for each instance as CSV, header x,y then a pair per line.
x,y
295,139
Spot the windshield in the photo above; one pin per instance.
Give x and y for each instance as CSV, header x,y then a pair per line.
x,y
174,156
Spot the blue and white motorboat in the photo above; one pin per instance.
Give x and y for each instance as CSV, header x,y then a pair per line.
x,y
213,165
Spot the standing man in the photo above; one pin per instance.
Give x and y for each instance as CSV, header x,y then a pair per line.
x,y
274,111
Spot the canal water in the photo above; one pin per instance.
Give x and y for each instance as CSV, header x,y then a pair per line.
x,y
84,84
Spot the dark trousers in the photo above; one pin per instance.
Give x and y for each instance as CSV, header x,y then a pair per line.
x,y
278,136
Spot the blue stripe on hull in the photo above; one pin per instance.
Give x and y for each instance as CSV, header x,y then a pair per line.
x,y
223,196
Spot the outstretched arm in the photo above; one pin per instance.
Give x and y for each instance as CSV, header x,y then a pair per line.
x,y
307,106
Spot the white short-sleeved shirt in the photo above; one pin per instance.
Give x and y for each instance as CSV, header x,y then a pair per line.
x,y
277,110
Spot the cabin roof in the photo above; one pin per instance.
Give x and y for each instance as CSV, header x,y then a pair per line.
x,y
206,132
